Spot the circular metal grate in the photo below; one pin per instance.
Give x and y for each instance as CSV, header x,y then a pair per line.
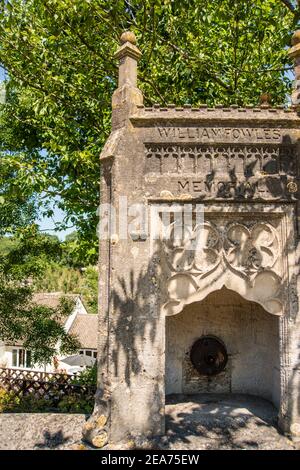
x,y
209,355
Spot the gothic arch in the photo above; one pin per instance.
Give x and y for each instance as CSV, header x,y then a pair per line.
x,y
242,257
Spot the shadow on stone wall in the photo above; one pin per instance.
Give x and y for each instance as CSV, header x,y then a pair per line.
x,y
264,176
131,303
131,318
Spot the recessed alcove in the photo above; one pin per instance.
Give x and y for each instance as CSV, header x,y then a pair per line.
x,y
251,338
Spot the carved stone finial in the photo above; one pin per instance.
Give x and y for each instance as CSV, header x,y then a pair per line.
x,y
128,47
128,36
265,99
127,95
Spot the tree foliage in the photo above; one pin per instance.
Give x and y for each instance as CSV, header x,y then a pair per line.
x,y
39,328
59,278
61,75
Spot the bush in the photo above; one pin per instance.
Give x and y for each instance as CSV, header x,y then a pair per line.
x,y
31,404
11,402
57,278
8,400
73,404
87,377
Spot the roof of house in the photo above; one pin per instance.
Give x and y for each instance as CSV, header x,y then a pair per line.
x,y
85,328
52,299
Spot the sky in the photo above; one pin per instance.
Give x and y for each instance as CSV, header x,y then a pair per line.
x,y
47,224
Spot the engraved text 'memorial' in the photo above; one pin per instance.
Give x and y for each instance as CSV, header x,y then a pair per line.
x,y
237,171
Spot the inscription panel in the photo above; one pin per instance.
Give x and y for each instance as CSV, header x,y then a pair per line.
x,y
247,163
262,188
220,134
248,160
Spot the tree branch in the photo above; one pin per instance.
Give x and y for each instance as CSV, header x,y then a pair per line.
x,y
153,86
290,6
186,56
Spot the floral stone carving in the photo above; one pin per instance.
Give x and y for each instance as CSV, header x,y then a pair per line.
x,y
240,256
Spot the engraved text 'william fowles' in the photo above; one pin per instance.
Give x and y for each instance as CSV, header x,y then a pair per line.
x,y
220,133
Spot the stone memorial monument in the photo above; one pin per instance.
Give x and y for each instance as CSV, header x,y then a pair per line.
x,y
215,312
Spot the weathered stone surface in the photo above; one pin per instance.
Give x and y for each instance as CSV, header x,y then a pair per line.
x,y
294,54
241,167
192,422
79,447
216,422
94,430
100,440
222,421
41,431
101,421
250,335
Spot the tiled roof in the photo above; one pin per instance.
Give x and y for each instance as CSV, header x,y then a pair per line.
x,y
51,299
85,328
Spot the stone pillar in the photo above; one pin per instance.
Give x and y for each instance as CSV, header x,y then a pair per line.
x,y
292,424
294,54
130,398
127,95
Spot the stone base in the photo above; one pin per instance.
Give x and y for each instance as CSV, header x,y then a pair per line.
x,y
205,421
95,432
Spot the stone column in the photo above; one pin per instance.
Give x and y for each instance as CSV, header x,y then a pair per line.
x,y
136,325
127,95
130,396
294,54
292,424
